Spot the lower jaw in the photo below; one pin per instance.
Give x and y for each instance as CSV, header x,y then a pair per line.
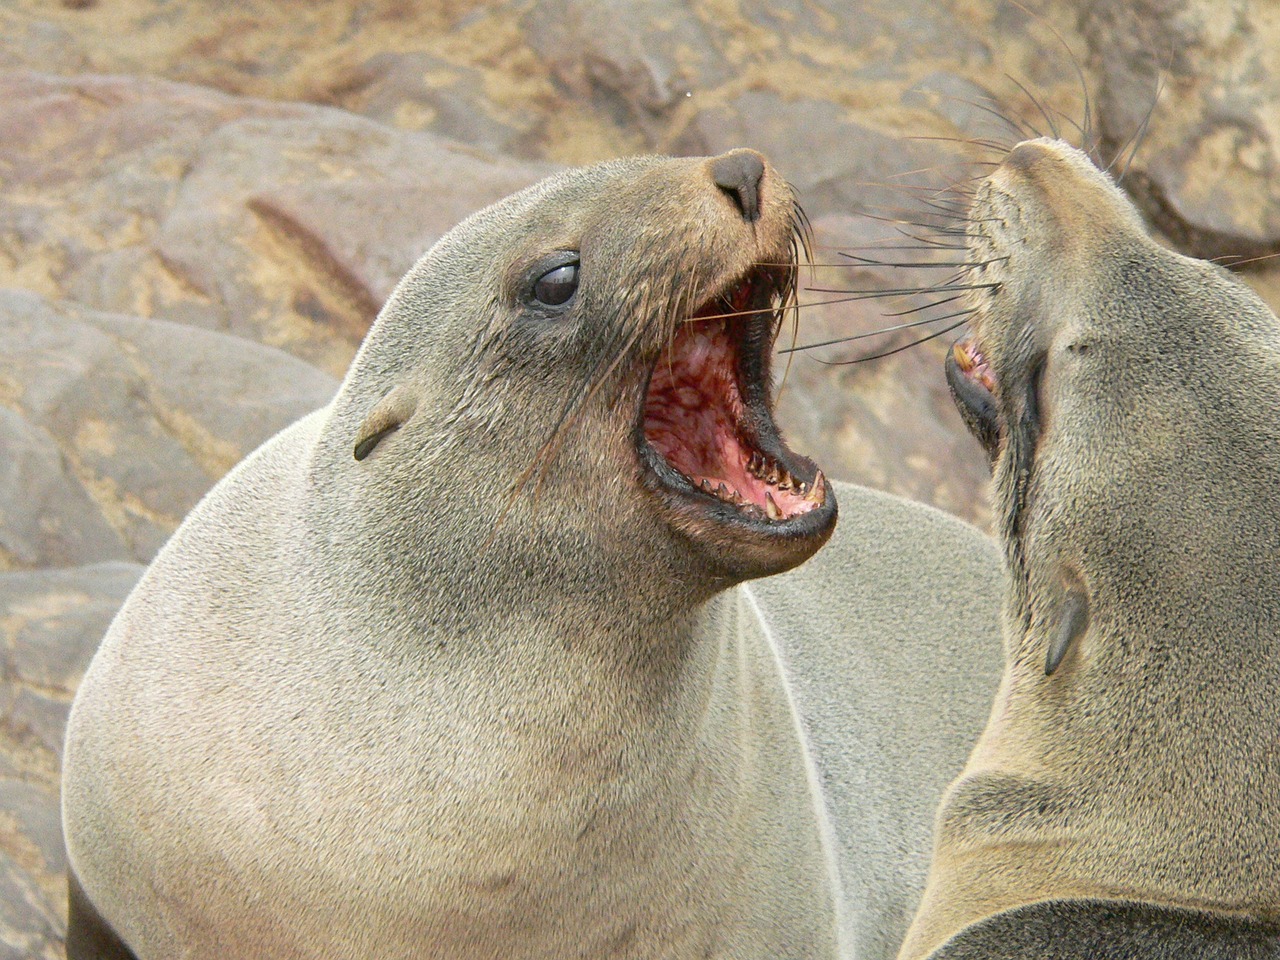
x,y
733,547
975,403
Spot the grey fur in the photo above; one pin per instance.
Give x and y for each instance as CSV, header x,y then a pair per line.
x,y
1145,767
384,708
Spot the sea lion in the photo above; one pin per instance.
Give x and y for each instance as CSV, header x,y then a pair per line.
x,y
1124,799
458,665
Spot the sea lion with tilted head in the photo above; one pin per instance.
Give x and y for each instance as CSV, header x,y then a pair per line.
x,y
1124,800
463,665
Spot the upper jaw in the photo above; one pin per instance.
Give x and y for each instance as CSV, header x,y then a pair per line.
x,y
707,442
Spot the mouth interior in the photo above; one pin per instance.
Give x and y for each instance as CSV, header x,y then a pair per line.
x,y
706,416
974,365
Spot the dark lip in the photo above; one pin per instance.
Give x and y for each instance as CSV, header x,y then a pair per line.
x,y
977,406
753,335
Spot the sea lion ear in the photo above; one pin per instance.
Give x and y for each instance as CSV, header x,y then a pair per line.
x,y
1073,621
386,417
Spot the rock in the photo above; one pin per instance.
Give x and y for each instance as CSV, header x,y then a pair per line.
x,y
51,621
126,422
46,515
1207,172
285,224
449,66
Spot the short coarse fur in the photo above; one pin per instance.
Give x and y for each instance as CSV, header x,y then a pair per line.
x,y
1131,760
469,694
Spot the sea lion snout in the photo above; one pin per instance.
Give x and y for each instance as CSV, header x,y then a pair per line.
x,y
738,173
1064,202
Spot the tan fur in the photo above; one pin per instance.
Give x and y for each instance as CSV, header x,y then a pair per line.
x,y
386,709
1146,766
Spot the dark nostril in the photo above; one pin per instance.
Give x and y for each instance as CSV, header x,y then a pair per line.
x,y
739,174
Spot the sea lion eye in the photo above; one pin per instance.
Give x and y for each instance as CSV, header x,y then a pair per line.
x,y
556,287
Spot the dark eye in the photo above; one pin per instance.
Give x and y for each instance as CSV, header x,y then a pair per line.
x,y
555,287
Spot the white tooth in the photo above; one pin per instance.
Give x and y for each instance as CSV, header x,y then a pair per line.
x,y
819,491
770,508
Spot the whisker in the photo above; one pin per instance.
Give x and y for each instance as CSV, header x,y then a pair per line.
x,y
1016,126
909,223
876,294
973,141
927,306
1240,263
1053,127
1075,63
934,169
884,330
1141,133
900,246
967,264
890,353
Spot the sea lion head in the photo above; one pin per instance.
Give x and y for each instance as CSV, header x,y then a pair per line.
x,y
1129,398
580,375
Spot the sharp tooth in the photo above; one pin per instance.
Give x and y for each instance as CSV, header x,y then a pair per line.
x,y
786,481
818,493
770,508
772,476
722,492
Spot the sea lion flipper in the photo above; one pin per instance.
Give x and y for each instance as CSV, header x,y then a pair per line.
x,y
1073,620
387,416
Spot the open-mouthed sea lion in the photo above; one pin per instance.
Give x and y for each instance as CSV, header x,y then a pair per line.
x,y
1124,800
463,665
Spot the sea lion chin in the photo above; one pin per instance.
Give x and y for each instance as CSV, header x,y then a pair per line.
x,y
1128,780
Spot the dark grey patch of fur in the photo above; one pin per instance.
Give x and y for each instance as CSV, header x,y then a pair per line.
x,y
89,936
1111,930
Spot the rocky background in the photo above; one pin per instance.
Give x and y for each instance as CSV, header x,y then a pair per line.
x,y
203,204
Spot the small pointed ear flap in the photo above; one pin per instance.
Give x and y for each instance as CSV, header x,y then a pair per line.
x,y
1073,621
387,416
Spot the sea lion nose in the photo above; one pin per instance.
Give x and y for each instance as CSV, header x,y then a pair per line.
x,y
738,173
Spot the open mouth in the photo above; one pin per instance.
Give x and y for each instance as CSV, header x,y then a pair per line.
x,y
707,430
974,388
